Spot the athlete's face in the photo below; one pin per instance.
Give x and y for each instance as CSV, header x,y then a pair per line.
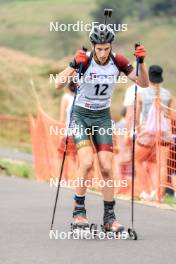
x,y
102,52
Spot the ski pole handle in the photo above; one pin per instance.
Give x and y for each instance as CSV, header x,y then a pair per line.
x,y
80,70
137,67
137,59
81,65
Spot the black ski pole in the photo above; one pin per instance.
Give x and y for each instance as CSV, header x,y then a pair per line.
x,y
64,154
133,144
131,230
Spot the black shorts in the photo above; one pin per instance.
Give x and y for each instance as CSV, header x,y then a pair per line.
x,y
92,125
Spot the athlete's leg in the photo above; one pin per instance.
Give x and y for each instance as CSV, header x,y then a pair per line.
x,y
85,156
105,162
103,142
109,218
102,138
85,162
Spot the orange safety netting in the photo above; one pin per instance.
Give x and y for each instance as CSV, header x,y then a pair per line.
x,y
156,152
155,158
167,166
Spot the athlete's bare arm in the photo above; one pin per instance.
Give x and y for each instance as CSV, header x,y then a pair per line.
x,y
143,80
64,76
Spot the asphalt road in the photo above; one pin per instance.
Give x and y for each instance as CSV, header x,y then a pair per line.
x,y
25,215
15,154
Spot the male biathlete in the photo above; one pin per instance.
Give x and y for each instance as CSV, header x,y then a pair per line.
x,y
91,112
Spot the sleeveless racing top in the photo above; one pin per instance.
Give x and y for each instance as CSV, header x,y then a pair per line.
x,y
96,86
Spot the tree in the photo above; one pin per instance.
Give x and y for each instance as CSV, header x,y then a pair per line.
x,y
164,7
120,10
140,9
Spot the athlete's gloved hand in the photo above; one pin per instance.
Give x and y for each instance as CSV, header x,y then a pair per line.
x,y
140,52
79,58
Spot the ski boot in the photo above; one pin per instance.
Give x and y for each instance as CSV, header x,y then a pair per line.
x,y
80,224
110,224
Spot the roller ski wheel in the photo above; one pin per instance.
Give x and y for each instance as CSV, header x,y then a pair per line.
x,y
94,230
114,227
81,226
75,226
84,230
110,230
132,234
80,230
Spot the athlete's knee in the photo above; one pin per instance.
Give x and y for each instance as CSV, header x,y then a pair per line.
x,y
105,161
86,164
85,158
106,169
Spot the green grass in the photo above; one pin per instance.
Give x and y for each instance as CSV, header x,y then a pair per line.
x,y
16,93
14,133
24,25
20,169
170,200
159,38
